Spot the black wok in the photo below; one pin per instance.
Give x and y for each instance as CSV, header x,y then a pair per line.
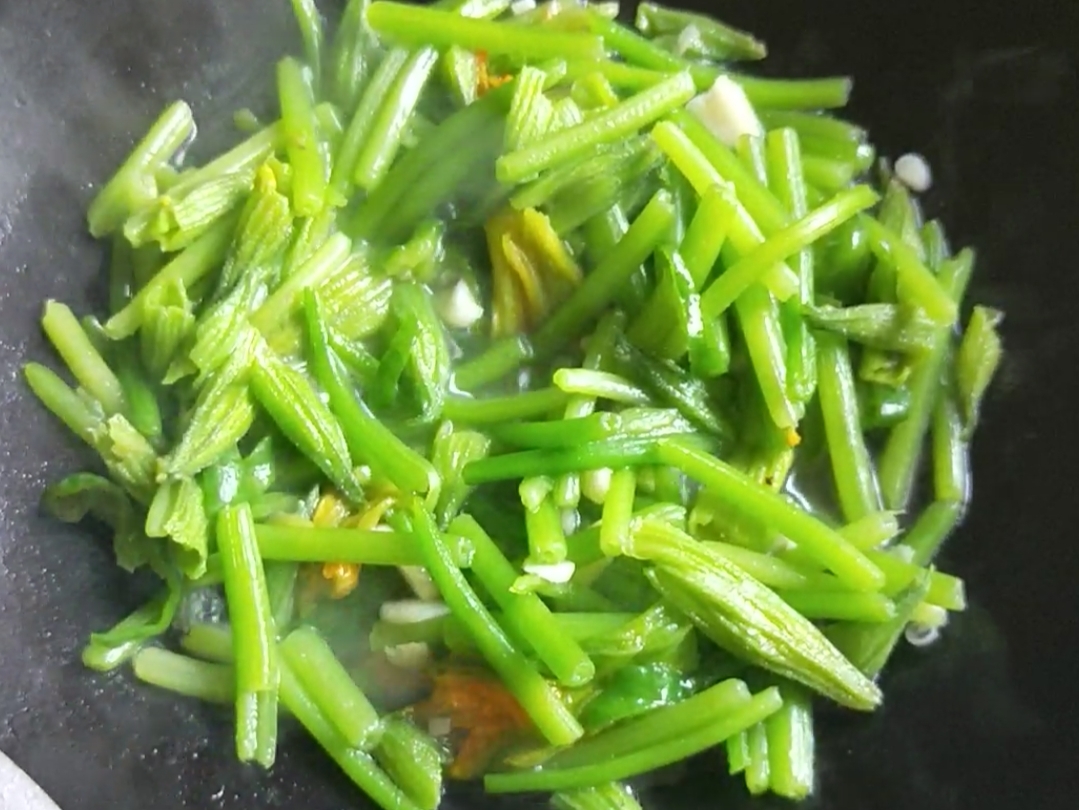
x,y
988,90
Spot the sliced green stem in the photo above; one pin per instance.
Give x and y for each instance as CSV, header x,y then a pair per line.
x,y
898,461
358,546
418,25
642,760
852,468
605,127
189,266
618,512
684,145
369,440
758,316
525,613
542,703
839,605
813,536
791,745
301,138
309,21
82,358
384,138
413,760
783,245
872,530
951,450
254,636
213,683
359,766
357,133
600,385
602,285
493,410
758,765
531,463
931,529
133,185
917,286
332,688
546,538
62,401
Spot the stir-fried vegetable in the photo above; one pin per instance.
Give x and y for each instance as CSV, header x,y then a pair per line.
x,y
512,330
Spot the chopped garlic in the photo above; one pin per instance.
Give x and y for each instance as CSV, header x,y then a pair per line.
x,y
413,655
557,574
571,521
725,110
410,611
595,484
918,635
458,307
913,172
687,39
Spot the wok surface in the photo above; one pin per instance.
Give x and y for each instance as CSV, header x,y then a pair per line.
x,y
989,91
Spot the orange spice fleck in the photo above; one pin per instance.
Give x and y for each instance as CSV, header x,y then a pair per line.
x,y
484,80
343,578
483,709
331,511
